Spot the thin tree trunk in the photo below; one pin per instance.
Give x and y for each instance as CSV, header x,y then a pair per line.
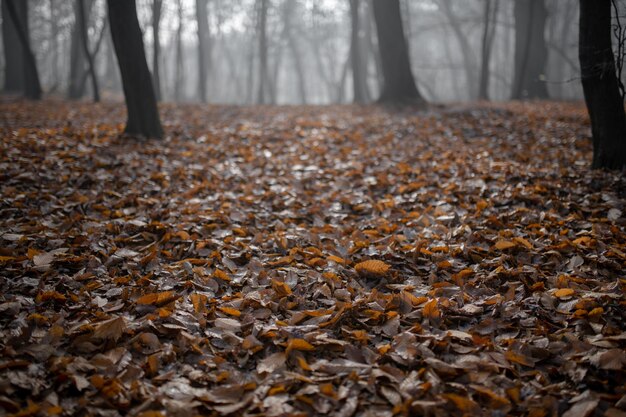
x,y
399,82
76,84
295,51
54,36
359,69
178,73
82,22
531,53
157,7
204,50
489,27
143,115
263,5
470,64
600,85
32,86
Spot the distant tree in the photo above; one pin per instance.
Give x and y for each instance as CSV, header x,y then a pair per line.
x,y
78,57
178,70
357,58
263,68
470,63
143,115
204,47
157,6
601,86
490,13
288,17
19,20
531,52
399,85
84,37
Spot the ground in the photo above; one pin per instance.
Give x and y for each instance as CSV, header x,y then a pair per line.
x,y
344,260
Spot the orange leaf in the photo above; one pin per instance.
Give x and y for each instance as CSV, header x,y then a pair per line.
x,y
230,311
564,292
372,268
504,244
517,358
199,302
281,288
157,298
431,310
299,344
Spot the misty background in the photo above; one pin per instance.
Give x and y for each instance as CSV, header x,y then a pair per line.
x,y
299,51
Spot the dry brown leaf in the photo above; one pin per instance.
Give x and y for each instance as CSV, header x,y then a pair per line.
x,y
372,269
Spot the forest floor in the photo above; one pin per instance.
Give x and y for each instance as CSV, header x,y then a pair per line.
x,y
224,269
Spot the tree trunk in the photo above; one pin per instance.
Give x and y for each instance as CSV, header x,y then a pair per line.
x,y
14,54
157,6
143,115
357,52
469,59
178,73
399,83
76,84
32,87
82,23
54,40
600,85
531,53
261,98
489,27
204,50
295,51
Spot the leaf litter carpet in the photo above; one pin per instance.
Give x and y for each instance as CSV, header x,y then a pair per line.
x,y
309,261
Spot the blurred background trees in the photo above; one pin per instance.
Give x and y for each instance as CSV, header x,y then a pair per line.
x,y
301,51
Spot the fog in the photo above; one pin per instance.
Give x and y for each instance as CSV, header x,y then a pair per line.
x,y
299,51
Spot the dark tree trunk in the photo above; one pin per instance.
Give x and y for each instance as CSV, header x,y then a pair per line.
x,y
82,22
204,47
14,55
399,83
600,85
357,59
263,73
32,87
489,28
531,52
143,115
157,6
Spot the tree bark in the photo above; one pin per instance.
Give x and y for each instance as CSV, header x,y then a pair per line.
x,y
293,48
14,55
399,84
531,52
489,27
143,115
261,98
157,6
178,73
600,85
32,86
359,68
204,48
76,84
469,59
82,22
